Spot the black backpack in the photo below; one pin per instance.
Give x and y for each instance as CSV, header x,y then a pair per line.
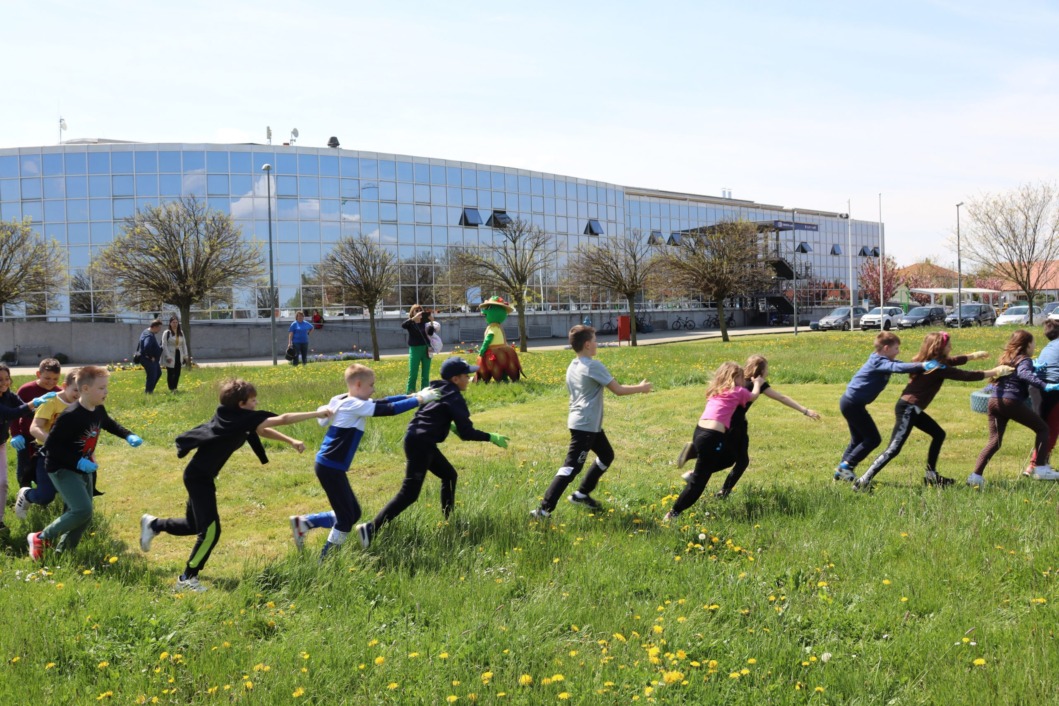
x,y
136,359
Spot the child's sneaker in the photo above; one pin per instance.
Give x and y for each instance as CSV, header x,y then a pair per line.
x,y
36,546
685,453
586,500
328,547
540,513
22,504
845,472
1044,473
975,481
862,485
1027,472
932,477
670,516
366,532
190,583
298,529
686,476
146,533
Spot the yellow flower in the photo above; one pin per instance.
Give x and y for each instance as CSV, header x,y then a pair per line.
x,y
379,661
751,661
563,696
821,584
979,662
558,677
49,665
443,655
86,572
619,637
298,693
103,665
248,685
452,698
392,685
372,643
113,560
819,689
104,695
672,677
525,680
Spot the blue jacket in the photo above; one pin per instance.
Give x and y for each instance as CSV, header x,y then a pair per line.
x,y
873,377
1017,386
150,348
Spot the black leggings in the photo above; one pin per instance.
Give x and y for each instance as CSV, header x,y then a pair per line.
x,y
737,449
200,518
339,493
581,442
909,417
172,375
863,434
420,456
1001,410
710,448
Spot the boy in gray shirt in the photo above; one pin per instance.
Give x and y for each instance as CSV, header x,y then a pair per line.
x,y
585,379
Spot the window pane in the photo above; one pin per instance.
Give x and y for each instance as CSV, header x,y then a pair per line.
x,y
31,188
217,162
9,190
122,185
9,166
241,163
308,186
124,208
53,164
286,164
146,162
121,162
99,163
308,164
216,184
405,172
328,166
77,209
54,187
169,184
76,163
369,169
147,185
55,211
76,187
194,162
100,209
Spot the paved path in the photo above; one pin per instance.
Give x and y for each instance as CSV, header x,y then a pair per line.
x,y
552,344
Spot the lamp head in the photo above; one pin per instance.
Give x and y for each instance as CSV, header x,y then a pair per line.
x,y
266,167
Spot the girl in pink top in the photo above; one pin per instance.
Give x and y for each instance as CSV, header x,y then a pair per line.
x,y
723,396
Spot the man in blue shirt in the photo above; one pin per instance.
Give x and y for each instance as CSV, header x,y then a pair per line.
x,y
151,354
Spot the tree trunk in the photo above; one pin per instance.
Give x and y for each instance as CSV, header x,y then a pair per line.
x,y
520,308
722,320
185,324
632,321
374,335
1029,300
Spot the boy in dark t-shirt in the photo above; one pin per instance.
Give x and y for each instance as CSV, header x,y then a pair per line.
x,y
237,422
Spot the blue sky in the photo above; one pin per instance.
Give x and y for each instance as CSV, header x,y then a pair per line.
x,y
794,104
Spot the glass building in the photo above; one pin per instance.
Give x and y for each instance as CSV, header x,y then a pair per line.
x,y
79,194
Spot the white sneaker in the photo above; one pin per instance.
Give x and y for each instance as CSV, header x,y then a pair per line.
x,y
975,481
540,513
1044,473
299,528
146,533
22,504
191,583
687,475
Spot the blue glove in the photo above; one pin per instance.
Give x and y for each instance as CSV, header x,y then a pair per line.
x,y
38,401
133,440
932,365
87,465
18,442
1051,387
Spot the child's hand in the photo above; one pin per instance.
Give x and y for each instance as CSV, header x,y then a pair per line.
x,y
811,414
298,446
325,412
427,395
38,401
645,387
977,355
1001,371
133,440
498,439
18,442
87,465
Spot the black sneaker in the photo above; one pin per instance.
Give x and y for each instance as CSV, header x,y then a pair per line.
x,y
687,453
586,500
723,493
934,478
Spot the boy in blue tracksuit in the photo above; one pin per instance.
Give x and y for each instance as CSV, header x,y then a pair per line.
x,y
862,390
427,429
351,411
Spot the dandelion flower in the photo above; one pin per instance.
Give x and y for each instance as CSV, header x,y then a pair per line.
x,y
379,661
979,662
525,680
298,693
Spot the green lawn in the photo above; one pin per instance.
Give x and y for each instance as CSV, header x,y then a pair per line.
x,y
794,590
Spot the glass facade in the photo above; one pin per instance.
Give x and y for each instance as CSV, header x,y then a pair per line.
x,y
80,194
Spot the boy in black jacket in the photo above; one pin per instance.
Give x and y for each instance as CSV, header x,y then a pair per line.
x,y
237,421
428,428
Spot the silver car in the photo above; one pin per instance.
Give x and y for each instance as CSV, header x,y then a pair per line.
x,y
840,319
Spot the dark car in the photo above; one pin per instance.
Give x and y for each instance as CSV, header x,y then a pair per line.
x,y
972,314
922,316
840,319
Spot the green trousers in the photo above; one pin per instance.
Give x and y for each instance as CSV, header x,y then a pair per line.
x,y
76,491
417,359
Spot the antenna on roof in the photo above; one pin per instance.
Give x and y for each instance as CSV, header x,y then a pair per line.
x,y
293,135
268,134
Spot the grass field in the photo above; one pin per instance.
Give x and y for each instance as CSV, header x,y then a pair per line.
x,y
794,590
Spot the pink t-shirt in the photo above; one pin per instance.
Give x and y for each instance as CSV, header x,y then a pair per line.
x,y
720,408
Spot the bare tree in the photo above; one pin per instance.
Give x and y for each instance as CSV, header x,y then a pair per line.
x,y
621,265
30,266
1016,235
720,261
366,272
179,253
90,298
520,250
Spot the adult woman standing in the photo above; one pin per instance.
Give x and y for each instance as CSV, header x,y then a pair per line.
x,y
419,331
298,336
174,352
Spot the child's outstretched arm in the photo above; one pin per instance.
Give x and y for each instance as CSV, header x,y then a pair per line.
x,y
756,392
618,389
276,435
293,418
783,399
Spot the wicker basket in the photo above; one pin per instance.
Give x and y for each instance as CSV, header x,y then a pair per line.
x,y
979,401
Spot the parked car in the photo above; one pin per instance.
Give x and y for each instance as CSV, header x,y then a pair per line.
x,y
972,314
1051,310
840,318
922,316
888,315
1019,315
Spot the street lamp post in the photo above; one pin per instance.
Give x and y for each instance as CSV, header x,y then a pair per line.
x,y
849,248
959,272
794,257
882,263
267,169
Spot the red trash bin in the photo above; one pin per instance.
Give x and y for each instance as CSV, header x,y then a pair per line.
x,y
624,328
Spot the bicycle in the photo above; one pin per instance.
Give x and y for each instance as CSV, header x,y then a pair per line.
x,y
683,323
608,327
643,325
711,321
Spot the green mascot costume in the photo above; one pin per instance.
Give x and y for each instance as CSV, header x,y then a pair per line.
x,y
497,359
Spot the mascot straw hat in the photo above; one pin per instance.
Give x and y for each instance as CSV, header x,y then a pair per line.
x,y
498,302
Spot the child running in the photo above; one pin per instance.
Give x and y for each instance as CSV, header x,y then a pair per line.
x,y
47,379
723,396
40,428
351,411
862,390
910,411
11,407
1008,403
1047,369
70,460
738,445
428,428
237,421
586,378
